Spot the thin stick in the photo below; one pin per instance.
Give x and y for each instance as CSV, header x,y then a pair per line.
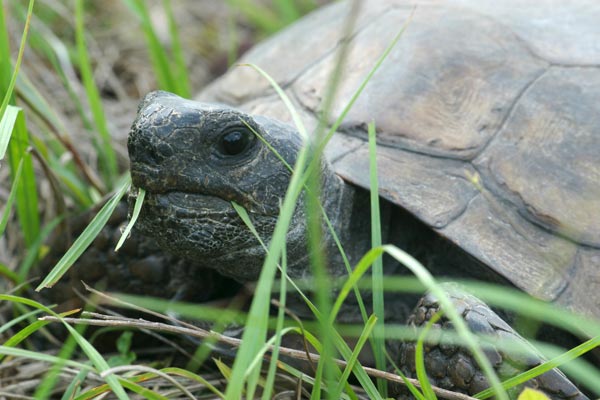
x,y
204,334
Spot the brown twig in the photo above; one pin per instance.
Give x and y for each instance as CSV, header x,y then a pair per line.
x,y
204,334
112,314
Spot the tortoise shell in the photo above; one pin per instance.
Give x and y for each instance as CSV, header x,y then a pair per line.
x,y
488,124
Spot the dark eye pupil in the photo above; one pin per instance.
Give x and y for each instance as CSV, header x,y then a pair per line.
x,y
234,142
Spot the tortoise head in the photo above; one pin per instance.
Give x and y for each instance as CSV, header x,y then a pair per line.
x,y
193,160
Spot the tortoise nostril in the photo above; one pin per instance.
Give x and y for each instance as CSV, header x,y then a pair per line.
x,y
164,150
154,155
145,151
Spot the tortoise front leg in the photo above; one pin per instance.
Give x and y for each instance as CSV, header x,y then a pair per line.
x,y
452,367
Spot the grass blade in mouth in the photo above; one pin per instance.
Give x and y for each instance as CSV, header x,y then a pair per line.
x,y
139,200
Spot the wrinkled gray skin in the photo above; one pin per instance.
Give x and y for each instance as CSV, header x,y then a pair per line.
x,y
179,156
175,148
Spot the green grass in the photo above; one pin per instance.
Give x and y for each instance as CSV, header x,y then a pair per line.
x,y
252,374
270,18
170,69
102,140
85,239
14,138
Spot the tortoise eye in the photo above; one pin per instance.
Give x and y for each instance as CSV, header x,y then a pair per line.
x,y
235,142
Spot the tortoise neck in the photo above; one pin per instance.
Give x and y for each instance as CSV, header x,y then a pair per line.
x,y
348,212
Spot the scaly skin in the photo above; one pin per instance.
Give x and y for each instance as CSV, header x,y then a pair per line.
x,y
176,156
452,367
139,267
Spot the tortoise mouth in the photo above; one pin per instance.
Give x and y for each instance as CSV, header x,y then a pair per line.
x,y
183,205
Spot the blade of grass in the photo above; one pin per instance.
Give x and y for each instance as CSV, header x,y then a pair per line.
x,y
279,332
287,11
317,382
343,380
246,219
56,144
9,324
330,228
195,377
33,251
5,59
27,211
420,359
145,391
319,385
5,55
253,379
378,340
134,216
315,162
85,239
223,369
297,121
90,351
583,372
26,198
339,342
75,385
232,40
411,388
255,333
186,310
322,283
103,142
269,344
182,81
9,274
259,15
317,345
355,368
127,383
572,354
358,370
99,362
11,199
7,124
158,55
28,330
35,355
351,282
51,378
341,345
320,272
43,40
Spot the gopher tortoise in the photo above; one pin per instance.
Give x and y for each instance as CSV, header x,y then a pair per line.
x,y
487,117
